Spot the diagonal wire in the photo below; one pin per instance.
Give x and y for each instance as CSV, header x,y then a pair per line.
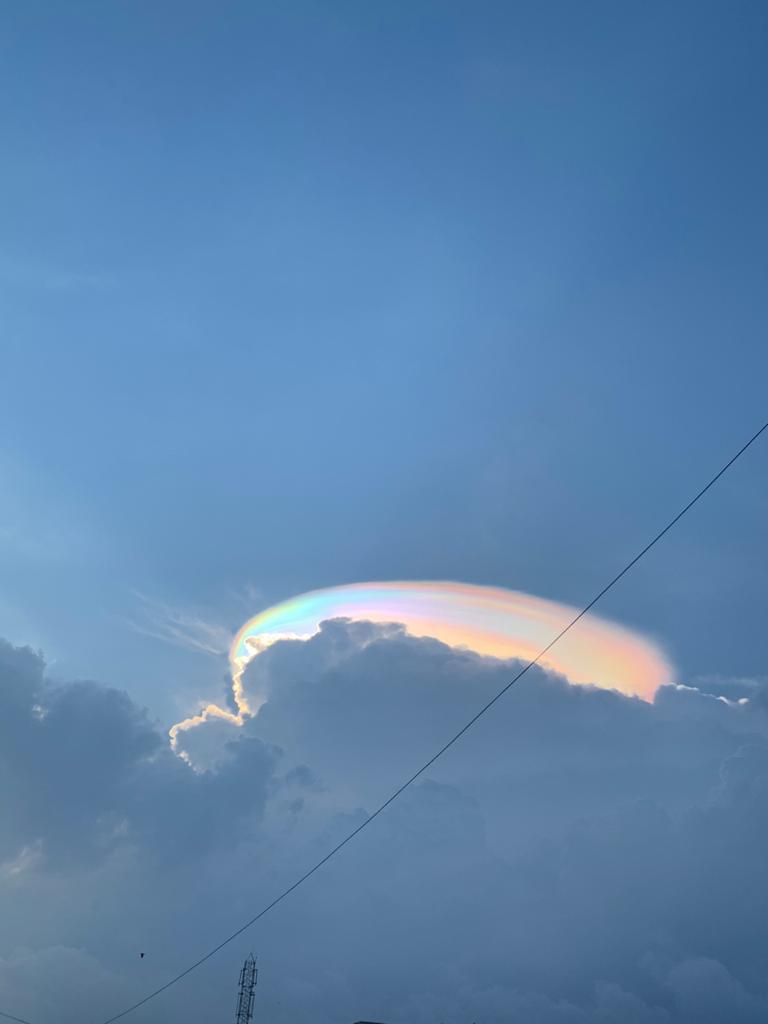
x,y
446,746
439,753
9,1016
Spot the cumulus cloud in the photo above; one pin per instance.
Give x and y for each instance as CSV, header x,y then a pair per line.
x,y
581,856
84,770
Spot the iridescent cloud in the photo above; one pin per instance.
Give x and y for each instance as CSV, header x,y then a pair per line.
x,y
487,620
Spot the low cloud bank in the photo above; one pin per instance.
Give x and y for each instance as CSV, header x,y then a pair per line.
x,y
579,856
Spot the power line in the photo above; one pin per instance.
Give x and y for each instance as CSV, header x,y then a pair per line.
x,y
446,746
9,1016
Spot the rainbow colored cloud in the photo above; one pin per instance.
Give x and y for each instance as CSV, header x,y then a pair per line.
x,y
489,621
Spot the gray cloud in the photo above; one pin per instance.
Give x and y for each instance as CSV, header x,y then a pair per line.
x,y
578,857
84,771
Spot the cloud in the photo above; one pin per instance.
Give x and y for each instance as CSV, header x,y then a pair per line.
x,y
580,857
84,770
42,982
180,627
488,621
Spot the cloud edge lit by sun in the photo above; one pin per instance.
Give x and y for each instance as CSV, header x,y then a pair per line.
x,y
489,621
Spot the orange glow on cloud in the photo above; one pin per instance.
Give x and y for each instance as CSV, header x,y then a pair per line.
x,y
489,621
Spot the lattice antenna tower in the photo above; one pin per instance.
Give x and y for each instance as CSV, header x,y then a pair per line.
x,y
248,975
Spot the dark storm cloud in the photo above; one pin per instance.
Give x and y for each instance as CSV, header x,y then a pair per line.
x,y
83,770
579,857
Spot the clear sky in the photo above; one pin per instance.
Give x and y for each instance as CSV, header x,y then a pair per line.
x,y
295,295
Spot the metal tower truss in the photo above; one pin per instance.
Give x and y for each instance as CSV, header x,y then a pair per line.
x,y
248,975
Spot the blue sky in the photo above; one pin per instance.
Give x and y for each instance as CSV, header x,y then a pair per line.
x,y
297,295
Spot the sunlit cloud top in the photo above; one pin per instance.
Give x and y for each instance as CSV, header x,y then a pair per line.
x,y
486,620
